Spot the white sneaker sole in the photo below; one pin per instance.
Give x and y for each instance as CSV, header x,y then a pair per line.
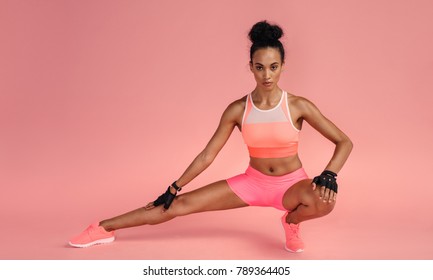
x,y
291,251
99,241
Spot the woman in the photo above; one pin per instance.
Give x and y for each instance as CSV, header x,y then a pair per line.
x,y
270,120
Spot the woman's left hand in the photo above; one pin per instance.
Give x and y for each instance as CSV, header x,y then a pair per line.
x,y
327,182
326,194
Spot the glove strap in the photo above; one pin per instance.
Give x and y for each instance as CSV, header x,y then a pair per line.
x,y
329,173
176,187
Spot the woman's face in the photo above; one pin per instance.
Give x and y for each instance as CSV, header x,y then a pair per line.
x,y
267,67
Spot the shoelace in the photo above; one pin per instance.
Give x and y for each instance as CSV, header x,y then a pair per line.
x,y
90,230
295,231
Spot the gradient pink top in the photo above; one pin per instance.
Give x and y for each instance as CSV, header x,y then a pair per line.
x,y
269,133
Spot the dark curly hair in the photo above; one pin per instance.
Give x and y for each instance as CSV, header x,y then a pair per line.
x,y
264,35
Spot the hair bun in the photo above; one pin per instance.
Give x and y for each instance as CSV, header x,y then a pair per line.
x,y
264,32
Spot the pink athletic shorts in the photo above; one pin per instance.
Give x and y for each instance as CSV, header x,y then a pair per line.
x,y
258,189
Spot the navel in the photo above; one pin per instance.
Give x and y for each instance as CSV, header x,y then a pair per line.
x,y
271,170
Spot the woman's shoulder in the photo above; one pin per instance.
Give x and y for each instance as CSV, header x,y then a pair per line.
x,y
235,110
241,100
238,104
298,101
300,105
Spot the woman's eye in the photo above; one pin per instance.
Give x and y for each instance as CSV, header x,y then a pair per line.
x,y
259,68
274,67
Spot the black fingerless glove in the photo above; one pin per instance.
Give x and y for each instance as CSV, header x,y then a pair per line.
x,y
167,197
328,180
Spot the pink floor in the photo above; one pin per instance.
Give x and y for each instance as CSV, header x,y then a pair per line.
x,y
37,221
248,233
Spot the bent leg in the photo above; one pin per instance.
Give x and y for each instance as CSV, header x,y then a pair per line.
x,y
216,196
304,203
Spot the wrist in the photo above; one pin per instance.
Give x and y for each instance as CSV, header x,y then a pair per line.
x,y
176,187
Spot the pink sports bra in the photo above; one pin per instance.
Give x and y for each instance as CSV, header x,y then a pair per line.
x,y
269,133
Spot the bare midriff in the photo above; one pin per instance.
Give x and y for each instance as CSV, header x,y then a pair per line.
x,y
276,166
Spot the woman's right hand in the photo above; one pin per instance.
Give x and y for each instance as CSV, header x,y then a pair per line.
x,y
164,199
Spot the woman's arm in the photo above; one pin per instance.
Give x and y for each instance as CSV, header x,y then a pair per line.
x,y
343,145
229,120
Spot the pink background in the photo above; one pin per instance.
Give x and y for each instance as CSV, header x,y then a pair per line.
x,y
104,103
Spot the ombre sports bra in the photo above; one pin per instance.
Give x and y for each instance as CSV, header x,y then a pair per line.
x,y
269,133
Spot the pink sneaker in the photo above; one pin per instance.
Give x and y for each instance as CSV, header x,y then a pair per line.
x,y
93,235
294,243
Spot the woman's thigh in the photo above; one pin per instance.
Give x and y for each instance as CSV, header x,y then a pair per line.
x,y
212,197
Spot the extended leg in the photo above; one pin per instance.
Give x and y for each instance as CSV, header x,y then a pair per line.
x,y
216,196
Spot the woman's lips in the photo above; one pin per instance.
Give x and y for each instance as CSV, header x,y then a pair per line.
x,y
267,84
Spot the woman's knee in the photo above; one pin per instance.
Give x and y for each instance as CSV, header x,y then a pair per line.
x,y
179,207
324,208
312,200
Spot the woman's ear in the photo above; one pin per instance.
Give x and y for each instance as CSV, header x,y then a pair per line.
x,y
251,66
